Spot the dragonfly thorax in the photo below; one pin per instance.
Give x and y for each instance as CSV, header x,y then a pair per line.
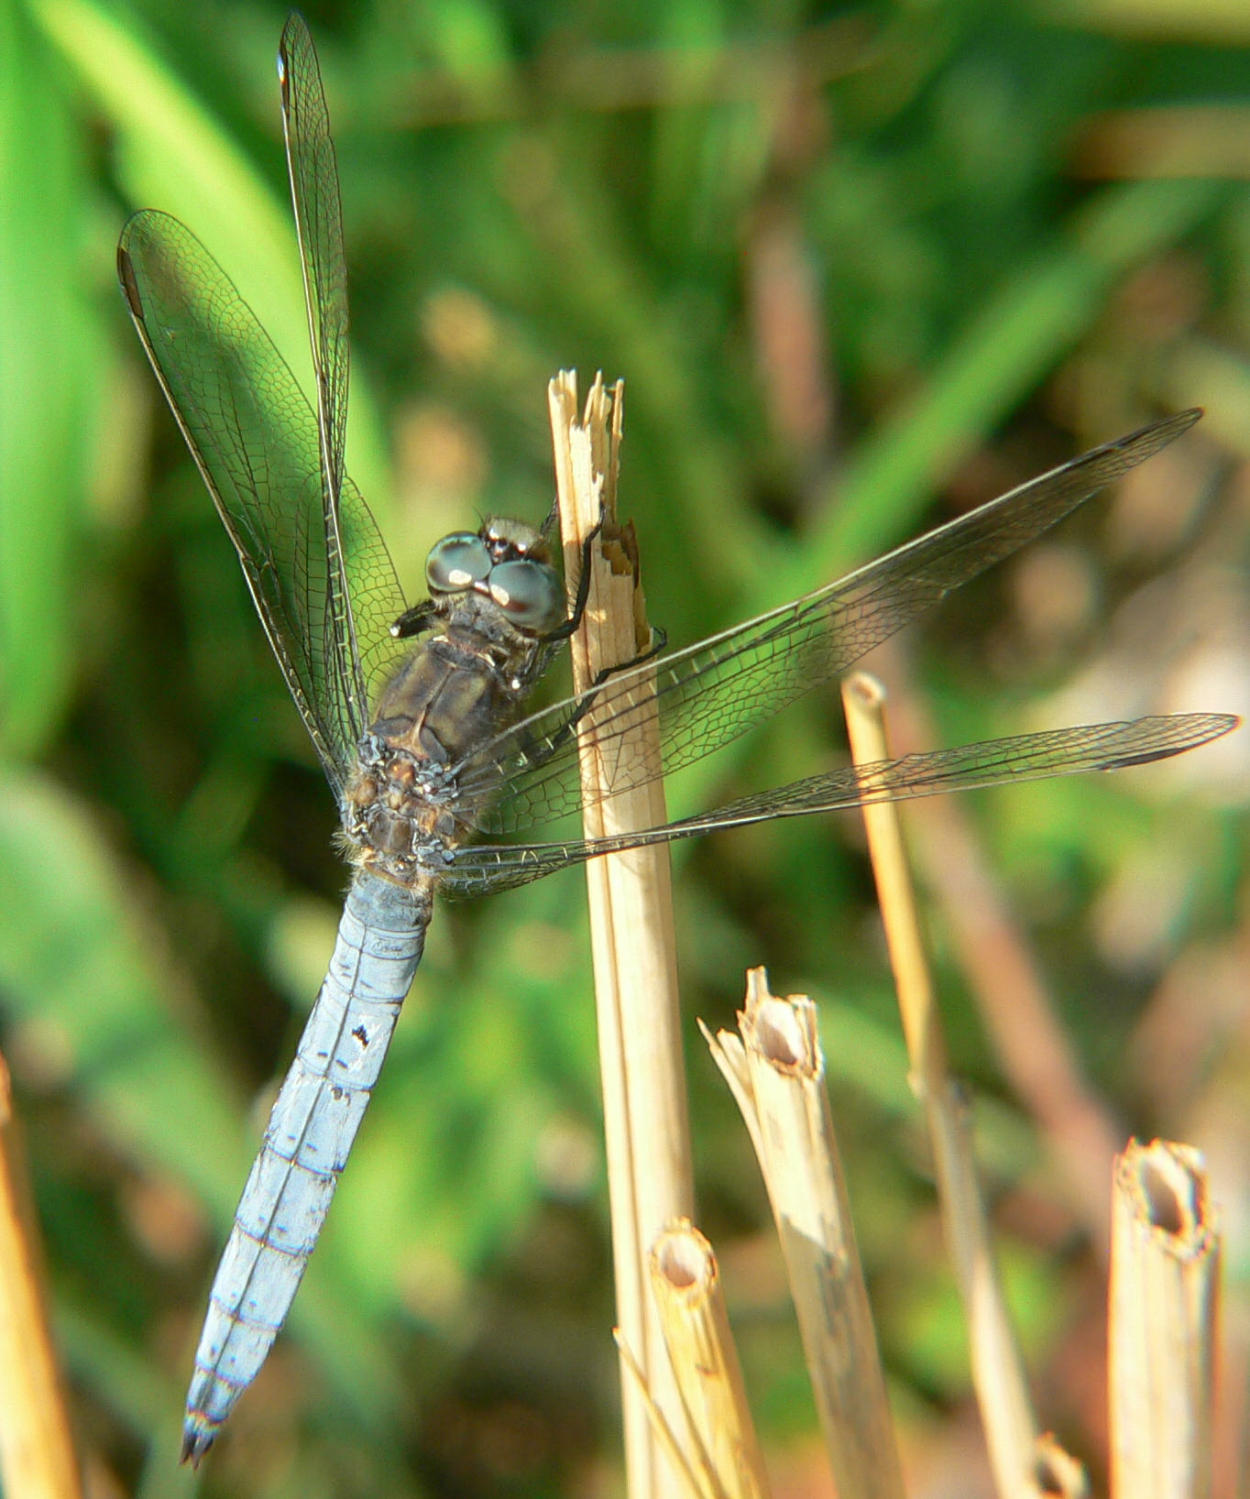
x,y
494,600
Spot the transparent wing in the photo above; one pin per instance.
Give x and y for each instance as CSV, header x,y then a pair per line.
x,y
257,445
711,692
315,197
314,177
479,868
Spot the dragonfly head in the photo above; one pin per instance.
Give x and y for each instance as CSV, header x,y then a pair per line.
x,y
507,562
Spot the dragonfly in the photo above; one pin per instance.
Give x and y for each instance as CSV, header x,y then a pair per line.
x,y
419,714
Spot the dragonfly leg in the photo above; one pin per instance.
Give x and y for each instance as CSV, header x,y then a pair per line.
x,y
414,621
562,632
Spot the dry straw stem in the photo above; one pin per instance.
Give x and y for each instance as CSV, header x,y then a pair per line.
x,y
645,1121
777,1074
1165,1263
1004,977
1020,1464
687,1289
695,1476
36,1455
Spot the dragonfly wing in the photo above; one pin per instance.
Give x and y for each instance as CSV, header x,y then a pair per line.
x,y
361,589
256,443
1024,757
318,209
310,1133
714,691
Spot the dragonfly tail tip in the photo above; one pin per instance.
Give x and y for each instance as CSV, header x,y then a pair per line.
x,y
195,1442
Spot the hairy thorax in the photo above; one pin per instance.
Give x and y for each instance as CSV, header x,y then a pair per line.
x,y
404,808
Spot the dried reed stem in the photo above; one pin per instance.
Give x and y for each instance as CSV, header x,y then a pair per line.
x,y
695,1478
1165,1263
1017,1457
645,1121
686,1283
36,1454
776,1072
1004,976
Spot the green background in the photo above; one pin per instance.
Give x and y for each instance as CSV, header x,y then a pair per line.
x,y
860,267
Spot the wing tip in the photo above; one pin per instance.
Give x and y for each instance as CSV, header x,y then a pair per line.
x,y
1144,442
1188,731
126,276
1212,726
295,34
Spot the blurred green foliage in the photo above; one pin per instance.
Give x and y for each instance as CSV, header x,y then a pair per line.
x,y
843,256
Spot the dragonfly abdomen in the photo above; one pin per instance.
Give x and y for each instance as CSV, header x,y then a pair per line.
x,y
310,1133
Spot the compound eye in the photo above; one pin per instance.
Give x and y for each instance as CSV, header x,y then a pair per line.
x,y
529,593
457,563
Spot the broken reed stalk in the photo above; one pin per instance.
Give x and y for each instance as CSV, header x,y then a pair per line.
x,y
720,1432
1004,978
645,1118
1165,1263
694,1477
776,1071
1017,1456
36,1453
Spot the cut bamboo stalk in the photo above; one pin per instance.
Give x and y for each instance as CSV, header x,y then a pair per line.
x,y
36,1453
776,1071
645,1119
686,1284
1165,1264
1017,1456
